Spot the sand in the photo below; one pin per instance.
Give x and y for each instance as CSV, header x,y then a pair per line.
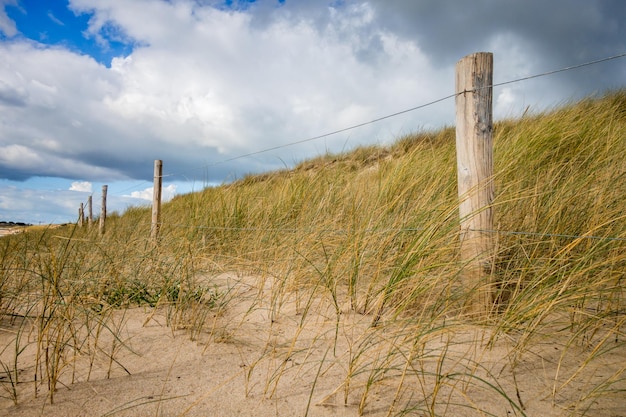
x,y
267,355
5,231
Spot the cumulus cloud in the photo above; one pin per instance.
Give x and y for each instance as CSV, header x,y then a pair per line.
x,y
206,84
82,186
167,193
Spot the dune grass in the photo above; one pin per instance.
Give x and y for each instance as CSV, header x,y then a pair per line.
x,y
372,232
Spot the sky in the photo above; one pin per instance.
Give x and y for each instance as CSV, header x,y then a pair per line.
x,y
93,91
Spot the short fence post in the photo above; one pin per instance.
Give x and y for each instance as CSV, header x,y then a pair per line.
x,y
81,215
89,211
103,212
156,199
474,125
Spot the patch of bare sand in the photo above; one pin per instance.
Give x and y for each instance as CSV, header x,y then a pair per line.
x,y
277,353
5,231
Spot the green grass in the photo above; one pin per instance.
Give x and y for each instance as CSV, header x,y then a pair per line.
x,y
376,230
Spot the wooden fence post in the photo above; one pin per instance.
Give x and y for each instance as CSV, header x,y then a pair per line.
x,y
156,199
81,215
103,212
474,125
89,211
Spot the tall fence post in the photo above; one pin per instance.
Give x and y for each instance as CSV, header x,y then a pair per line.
x,y
89,211
103,212
474,125
156,199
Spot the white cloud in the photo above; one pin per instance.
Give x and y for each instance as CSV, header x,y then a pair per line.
x,y
143,194
7,26
18,155
209,84
167,193
55,19
82,186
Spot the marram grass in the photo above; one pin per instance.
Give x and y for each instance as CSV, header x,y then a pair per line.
x,y
374,232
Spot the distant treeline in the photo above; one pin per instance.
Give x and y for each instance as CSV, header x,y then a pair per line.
x,y
12,224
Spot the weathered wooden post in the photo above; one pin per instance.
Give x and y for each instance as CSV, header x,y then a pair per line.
x,y
103,212
474,125
89,211
81,215
156,199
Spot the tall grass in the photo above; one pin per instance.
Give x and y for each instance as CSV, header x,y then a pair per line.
x,y
62,293
371,232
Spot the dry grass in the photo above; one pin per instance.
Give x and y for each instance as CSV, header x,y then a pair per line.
x,y
372,234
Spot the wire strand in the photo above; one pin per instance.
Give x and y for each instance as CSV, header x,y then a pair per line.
x,y
310,139
573,67
339,130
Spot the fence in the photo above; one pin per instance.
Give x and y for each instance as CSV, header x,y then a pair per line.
x,y
474,126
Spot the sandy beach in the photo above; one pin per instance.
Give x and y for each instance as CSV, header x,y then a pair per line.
x,y
298,360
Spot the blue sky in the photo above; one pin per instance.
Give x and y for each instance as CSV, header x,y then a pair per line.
x,y
53,23
93,91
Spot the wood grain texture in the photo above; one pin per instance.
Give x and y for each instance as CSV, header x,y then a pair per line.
x,y
474,147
